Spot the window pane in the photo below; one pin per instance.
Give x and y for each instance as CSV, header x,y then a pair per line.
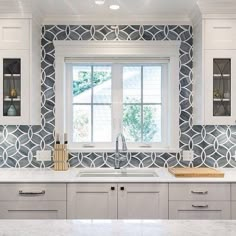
x,y
82,84
132,122
102,84
152,84
102,123
82,123
131,84
152,123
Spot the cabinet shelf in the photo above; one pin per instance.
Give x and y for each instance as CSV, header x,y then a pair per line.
x,y
221,100
8,99
10,75
220,75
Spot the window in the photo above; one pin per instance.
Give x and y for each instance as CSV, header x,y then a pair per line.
x,y
108,98
117,86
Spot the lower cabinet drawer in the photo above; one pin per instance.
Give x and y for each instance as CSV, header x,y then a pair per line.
x,y
32,192
32,210
199,192
200,210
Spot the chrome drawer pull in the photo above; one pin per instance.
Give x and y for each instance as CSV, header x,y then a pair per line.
x,y
200,192
31,193
200,206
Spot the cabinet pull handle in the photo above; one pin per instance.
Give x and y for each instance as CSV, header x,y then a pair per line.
x,y
200,192
222,27
200,206
112,188
122,188
31,193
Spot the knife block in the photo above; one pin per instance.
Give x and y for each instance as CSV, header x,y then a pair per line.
x,y
60,157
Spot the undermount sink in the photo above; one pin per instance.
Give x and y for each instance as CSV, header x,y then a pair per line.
x,y
117,173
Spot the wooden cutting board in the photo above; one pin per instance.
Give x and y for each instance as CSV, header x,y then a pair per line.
x,y
196,172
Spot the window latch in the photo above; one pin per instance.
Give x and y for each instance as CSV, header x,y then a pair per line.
x,y
145,145
88,146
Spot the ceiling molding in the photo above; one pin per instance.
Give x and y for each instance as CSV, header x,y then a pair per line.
x,y
195,15
141,20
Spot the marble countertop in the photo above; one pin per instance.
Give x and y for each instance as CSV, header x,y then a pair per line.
x,y
71,176
116,228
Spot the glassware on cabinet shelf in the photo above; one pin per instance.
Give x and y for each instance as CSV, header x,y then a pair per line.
x,y
222,87
11,87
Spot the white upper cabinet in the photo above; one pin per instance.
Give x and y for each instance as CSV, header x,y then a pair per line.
x,y
220,34
214,72
14,34
220,83
20,74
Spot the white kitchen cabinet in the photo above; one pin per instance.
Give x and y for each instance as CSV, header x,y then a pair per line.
x,y
199,210
220,34
142,201
122,201
20,72
199,192
233,201
14,34
220,83
32,210
92,201
199,201
33,201
20,80
214,72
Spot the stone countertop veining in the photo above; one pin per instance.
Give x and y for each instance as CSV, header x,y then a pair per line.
x,y
116,228
71,176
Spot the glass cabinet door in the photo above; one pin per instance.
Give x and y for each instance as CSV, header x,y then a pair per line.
x,y
11,87
222,87
219,86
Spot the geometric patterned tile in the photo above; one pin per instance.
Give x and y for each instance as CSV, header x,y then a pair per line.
x,y
214,146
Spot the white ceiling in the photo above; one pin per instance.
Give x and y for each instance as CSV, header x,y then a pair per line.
x,y
86,11
127,7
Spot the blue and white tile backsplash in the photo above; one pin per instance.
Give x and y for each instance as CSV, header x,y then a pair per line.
x,y
214,146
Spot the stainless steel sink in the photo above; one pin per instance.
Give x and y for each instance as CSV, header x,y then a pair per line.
x,y
117,173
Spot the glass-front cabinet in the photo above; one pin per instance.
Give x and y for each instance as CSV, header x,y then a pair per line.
x,y
220,87
14,87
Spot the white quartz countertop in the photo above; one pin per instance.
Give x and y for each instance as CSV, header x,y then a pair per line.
x,y
71,176
116,228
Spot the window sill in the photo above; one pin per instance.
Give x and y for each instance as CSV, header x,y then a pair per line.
x,y
174,150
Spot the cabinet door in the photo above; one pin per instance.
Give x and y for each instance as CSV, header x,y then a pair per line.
x,y
233,210
92,201
32,210
143,201
220,83
14,34
199,210
14,87
220,34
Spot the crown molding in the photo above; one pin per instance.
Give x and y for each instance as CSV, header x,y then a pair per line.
x,y
140,20
195,15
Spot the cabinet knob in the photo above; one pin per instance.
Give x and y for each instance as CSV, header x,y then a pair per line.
x,y
122,188
112,188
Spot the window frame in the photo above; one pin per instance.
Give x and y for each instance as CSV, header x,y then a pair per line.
x,y
115,49
117,100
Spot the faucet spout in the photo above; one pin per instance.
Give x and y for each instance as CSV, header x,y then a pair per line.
x,y
117,153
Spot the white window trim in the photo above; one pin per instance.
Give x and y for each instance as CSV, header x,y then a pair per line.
x,y
116,49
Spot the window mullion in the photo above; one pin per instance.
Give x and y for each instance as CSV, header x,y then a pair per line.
x,y
117,99
92,103
141,103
